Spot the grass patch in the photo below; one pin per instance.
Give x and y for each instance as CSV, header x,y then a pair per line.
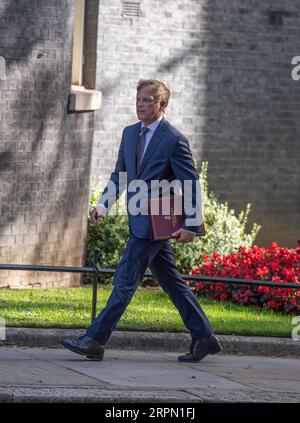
x,y
149,310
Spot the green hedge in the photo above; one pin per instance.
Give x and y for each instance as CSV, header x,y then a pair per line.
x,y
225,232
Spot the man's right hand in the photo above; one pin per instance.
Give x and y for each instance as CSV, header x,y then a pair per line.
x,y
95,215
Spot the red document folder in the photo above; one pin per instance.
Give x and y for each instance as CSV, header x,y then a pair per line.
x,y
164,217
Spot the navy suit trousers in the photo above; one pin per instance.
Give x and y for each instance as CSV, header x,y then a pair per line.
x,y
159,257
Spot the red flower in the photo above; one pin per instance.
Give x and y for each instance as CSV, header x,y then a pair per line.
x,y
275,267
262,271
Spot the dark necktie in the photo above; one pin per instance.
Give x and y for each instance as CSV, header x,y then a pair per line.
x,y
141,146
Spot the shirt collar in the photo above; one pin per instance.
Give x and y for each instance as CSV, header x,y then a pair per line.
x,y
152,126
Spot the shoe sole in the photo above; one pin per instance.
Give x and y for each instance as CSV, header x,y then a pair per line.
x,y
96,358
212,352
91,357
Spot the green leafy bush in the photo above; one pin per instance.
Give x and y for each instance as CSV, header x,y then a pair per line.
x,y
225,232
110,237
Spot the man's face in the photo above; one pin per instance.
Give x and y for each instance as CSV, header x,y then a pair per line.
x,y
148,109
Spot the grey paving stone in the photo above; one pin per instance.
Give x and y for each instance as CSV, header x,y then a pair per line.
x,y
58,375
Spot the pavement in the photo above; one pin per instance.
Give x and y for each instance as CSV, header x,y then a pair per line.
x,y
58,375
141,367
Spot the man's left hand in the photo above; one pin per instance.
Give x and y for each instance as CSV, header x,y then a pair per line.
x,y
183,236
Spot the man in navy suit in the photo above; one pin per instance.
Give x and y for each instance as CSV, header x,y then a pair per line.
x,y
151,150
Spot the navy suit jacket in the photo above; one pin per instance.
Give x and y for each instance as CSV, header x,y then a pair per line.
x,y
168,157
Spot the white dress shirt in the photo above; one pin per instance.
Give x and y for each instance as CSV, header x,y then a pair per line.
x,y
149,134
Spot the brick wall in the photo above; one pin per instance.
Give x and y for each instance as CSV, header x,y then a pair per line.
x,y
44,151
232,95
228,65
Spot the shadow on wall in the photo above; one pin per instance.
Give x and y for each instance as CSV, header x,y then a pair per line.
x,y
251,125
247,126
39,136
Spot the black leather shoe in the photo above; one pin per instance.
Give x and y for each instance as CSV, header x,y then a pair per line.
x,y
200,348
85,345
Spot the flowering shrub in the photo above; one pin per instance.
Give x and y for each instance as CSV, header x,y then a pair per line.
x,y
274,263
225,230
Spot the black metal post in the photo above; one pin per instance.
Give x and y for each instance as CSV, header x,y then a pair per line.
x,y
95,282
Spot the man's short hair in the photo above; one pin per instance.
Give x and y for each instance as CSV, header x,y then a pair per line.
x,y
161,91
